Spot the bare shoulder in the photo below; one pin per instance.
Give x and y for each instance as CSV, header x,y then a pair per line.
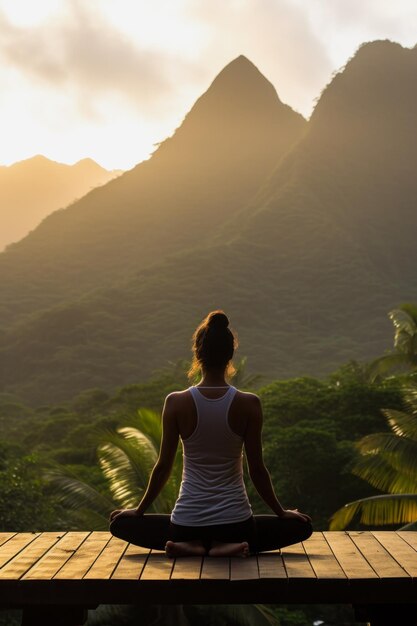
x,y
177,399
249,398
248,404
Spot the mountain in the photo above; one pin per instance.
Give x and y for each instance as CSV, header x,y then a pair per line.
x,y
230,140
32,189
307,267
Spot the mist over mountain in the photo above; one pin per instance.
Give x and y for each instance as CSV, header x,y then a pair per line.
x,y
230,140
32,189
307,261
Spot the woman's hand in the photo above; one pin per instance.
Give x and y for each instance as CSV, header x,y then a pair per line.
x,y
295,514
124,513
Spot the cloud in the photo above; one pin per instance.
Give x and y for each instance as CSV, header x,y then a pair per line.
x,y
349,23
375,15
84,53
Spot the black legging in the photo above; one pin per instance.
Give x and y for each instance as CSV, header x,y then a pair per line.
x,y
153,531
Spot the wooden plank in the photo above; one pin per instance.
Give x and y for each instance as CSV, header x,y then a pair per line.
x,y
410,536
81,561
107,561
187,568
27,557
5,537
322,559
215,568
56,557
399,549
244,568
376,555
158,566
296,562
350,558
12,547
271,565
131,564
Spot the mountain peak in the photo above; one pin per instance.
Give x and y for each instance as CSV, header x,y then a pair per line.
x,y
241,83
240,63
378,81
379,48
239,101
88,165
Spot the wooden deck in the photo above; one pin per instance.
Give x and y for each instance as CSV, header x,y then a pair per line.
x,y
87,569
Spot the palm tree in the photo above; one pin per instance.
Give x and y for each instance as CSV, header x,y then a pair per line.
x,y
126,458
404,355
388,462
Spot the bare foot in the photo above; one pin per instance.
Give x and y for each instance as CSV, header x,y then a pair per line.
x,y
184,548
229,549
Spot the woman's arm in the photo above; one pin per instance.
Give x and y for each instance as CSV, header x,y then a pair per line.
x,y
257,470
163,465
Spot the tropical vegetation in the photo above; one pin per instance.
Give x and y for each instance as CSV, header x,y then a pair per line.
x,y
388,462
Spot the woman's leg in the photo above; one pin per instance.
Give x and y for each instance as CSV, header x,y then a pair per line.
x,y
272,532
185,548
232,539
149,530
229,549
153,531
186,540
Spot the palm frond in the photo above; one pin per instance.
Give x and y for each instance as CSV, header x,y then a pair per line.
x,y
377,471
377,511
127,458
404,327
149,423
385,364
411,526
76,494
125,482
410,399
401,452
409,309
401,423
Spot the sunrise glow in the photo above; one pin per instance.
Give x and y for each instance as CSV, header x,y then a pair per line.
x,y
109,80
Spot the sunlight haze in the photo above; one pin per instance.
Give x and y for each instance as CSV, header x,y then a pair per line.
x,y
111,79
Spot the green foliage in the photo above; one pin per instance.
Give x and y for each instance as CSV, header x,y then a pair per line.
x,y
23,505
305,457
389,463
352,405
310,429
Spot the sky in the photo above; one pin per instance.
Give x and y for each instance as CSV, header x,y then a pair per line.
x,y
110,79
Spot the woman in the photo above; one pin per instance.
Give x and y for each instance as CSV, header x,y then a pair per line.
x,y
214,420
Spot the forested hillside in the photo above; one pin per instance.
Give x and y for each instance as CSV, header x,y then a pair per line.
x,y
306,263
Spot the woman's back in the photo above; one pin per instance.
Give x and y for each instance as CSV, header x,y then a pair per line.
x,y
186,412
212,489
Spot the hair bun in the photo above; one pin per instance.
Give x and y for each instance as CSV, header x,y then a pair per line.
x,y
218,319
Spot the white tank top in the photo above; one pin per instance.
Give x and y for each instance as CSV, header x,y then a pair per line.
x,y
212,489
